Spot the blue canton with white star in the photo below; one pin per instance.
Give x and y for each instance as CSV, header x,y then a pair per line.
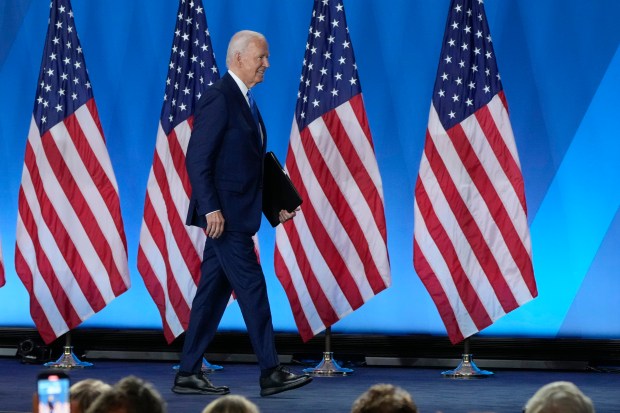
x,y
329,75
467,77
192,67
63,81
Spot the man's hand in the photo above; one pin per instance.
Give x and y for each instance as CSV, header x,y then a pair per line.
x,y
215,224
285,215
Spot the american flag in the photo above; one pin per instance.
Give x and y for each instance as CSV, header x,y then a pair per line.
x,y
472,246
71,251
170,252
332,257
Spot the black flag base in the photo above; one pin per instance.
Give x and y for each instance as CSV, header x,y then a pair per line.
x,y
206,366
68,360
328,367
467,369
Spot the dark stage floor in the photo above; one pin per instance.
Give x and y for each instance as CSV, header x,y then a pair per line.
x,y
505,392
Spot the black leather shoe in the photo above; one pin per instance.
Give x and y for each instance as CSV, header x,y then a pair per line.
x,y
197,384
281,380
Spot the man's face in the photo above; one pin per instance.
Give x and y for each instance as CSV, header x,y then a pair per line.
x,y
253,62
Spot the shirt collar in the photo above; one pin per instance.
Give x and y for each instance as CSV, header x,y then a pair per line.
x,y
244,89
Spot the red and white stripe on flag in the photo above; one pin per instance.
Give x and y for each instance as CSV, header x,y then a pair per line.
x,y
71,251
332,257
472,247
170,252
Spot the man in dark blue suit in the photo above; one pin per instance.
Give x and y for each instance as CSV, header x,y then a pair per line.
x,y
225,165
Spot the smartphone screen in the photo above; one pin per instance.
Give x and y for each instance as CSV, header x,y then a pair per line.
x,y
53,391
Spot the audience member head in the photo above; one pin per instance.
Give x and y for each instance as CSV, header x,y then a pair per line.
x,y
231,404
84,392
384,398
130,395
559,397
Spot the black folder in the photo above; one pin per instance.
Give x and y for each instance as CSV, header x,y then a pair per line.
x,y
278,191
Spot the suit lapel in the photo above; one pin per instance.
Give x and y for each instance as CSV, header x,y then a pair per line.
x,y
245,109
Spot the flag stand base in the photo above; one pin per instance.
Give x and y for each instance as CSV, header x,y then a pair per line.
x,y
328,367
68,360
467,369
206,366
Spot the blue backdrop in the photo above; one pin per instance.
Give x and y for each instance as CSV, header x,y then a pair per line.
x,y
560,66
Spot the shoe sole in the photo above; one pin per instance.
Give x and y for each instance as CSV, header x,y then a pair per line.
x,y
292,386
185,390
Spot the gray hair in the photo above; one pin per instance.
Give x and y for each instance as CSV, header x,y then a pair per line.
x,y
239,43
559,397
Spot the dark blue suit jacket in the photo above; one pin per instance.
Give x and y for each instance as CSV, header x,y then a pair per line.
x,y
224,159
